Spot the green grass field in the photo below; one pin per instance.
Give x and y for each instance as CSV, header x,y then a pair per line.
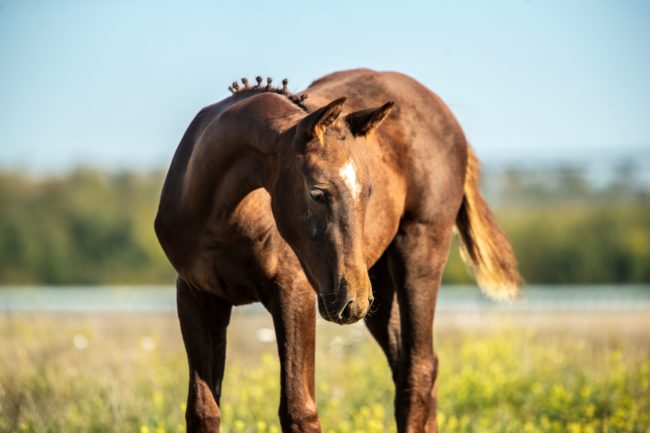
x,y
499,373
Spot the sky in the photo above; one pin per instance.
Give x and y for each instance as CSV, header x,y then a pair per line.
x,y
114,84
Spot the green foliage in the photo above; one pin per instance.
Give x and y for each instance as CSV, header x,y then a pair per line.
x,y
565,230
92,227
83,228
577,245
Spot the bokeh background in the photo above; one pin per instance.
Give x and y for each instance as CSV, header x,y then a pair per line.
x,y
95,96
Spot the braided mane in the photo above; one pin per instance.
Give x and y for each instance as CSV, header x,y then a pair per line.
x,y
298,100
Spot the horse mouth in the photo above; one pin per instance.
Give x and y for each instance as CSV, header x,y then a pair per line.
x,y
335,312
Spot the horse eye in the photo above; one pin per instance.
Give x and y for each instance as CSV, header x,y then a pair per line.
x,y
318,195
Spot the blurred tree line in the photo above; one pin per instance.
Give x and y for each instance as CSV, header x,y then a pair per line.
x,y
94,227
85,227
572,226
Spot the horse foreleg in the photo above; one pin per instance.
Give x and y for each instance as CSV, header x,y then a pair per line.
x,y
294,318
204,319
417,258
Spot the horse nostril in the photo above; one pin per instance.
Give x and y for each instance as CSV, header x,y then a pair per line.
x,y
346,312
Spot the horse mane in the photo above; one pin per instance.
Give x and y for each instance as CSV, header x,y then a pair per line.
x,y
246,89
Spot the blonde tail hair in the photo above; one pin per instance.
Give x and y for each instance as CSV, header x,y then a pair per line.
x,y
484,247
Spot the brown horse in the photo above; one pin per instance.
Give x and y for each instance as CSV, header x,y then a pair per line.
x,y
347,197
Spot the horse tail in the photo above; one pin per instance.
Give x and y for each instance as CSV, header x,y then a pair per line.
x,y
484,247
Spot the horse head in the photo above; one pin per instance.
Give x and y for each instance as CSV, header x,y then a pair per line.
x,y
319,200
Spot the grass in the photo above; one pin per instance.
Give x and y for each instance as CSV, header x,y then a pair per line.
x,y
513,373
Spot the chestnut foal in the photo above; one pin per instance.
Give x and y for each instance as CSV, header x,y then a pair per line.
x,y
346,198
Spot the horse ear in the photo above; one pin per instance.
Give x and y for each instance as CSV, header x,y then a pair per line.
x,y
363,121
317,122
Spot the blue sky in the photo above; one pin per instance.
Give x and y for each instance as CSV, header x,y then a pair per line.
x,y
114,84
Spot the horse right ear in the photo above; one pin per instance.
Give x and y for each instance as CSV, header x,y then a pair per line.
x,y
314,124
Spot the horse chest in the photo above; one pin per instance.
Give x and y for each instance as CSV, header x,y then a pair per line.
x,y
241,259
240,278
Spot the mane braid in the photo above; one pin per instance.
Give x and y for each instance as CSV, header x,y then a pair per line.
x,y
297,99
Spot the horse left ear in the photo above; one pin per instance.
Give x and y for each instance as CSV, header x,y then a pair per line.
x,y
363,121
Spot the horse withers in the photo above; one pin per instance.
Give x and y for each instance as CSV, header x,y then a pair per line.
x,y
343,200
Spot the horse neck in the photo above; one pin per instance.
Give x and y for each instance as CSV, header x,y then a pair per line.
x,y
235,155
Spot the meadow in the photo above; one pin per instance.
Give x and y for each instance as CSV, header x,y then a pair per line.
x,y
516,372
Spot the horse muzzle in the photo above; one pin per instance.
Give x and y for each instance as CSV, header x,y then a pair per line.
x,y
343,308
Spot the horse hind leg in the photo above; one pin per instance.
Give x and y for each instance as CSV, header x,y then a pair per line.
x,y
416,261
383,320
204,319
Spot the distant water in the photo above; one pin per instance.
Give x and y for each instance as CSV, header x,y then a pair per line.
x,y
451,298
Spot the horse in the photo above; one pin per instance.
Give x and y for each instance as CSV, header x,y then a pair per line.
x,y
345,199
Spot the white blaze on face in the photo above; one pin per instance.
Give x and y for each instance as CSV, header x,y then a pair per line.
x,y
349,175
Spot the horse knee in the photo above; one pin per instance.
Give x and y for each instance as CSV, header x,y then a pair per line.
x,y
202,414
299,417
202,425
428,372
436,366
417,378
